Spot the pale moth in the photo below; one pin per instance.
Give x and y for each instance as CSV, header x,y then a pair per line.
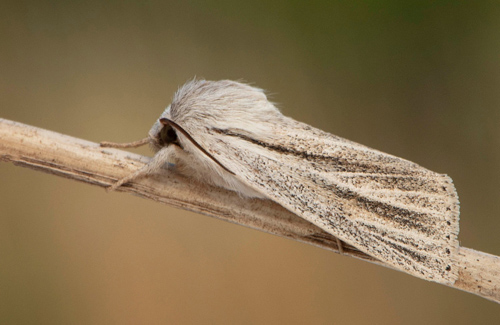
x,y
228,134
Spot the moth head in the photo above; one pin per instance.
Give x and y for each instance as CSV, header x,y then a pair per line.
x,y
201,105
163,134
167,136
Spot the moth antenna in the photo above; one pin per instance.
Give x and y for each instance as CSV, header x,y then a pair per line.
x,y
166,121
134,144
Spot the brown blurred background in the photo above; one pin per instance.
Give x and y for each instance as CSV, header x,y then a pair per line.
x,y
420,80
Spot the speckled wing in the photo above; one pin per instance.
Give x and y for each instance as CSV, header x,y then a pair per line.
x,y
388,207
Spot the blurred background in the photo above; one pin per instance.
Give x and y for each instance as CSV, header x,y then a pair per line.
x,y
417,79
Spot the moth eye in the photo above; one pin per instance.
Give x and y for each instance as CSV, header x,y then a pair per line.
x,y
167,135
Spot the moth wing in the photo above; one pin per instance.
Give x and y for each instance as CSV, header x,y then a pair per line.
x,y
387,207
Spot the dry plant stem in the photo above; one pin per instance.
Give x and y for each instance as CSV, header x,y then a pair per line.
x,y
73,158
134,144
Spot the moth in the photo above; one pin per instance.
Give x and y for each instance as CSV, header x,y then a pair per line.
x,y
230,135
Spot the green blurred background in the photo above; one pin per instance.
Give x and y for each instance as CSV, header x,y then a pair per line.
x,y
418,79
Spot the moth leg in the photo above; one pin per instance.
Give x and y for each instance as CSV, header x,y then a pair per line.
x,y
133,144
154,165
340,246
